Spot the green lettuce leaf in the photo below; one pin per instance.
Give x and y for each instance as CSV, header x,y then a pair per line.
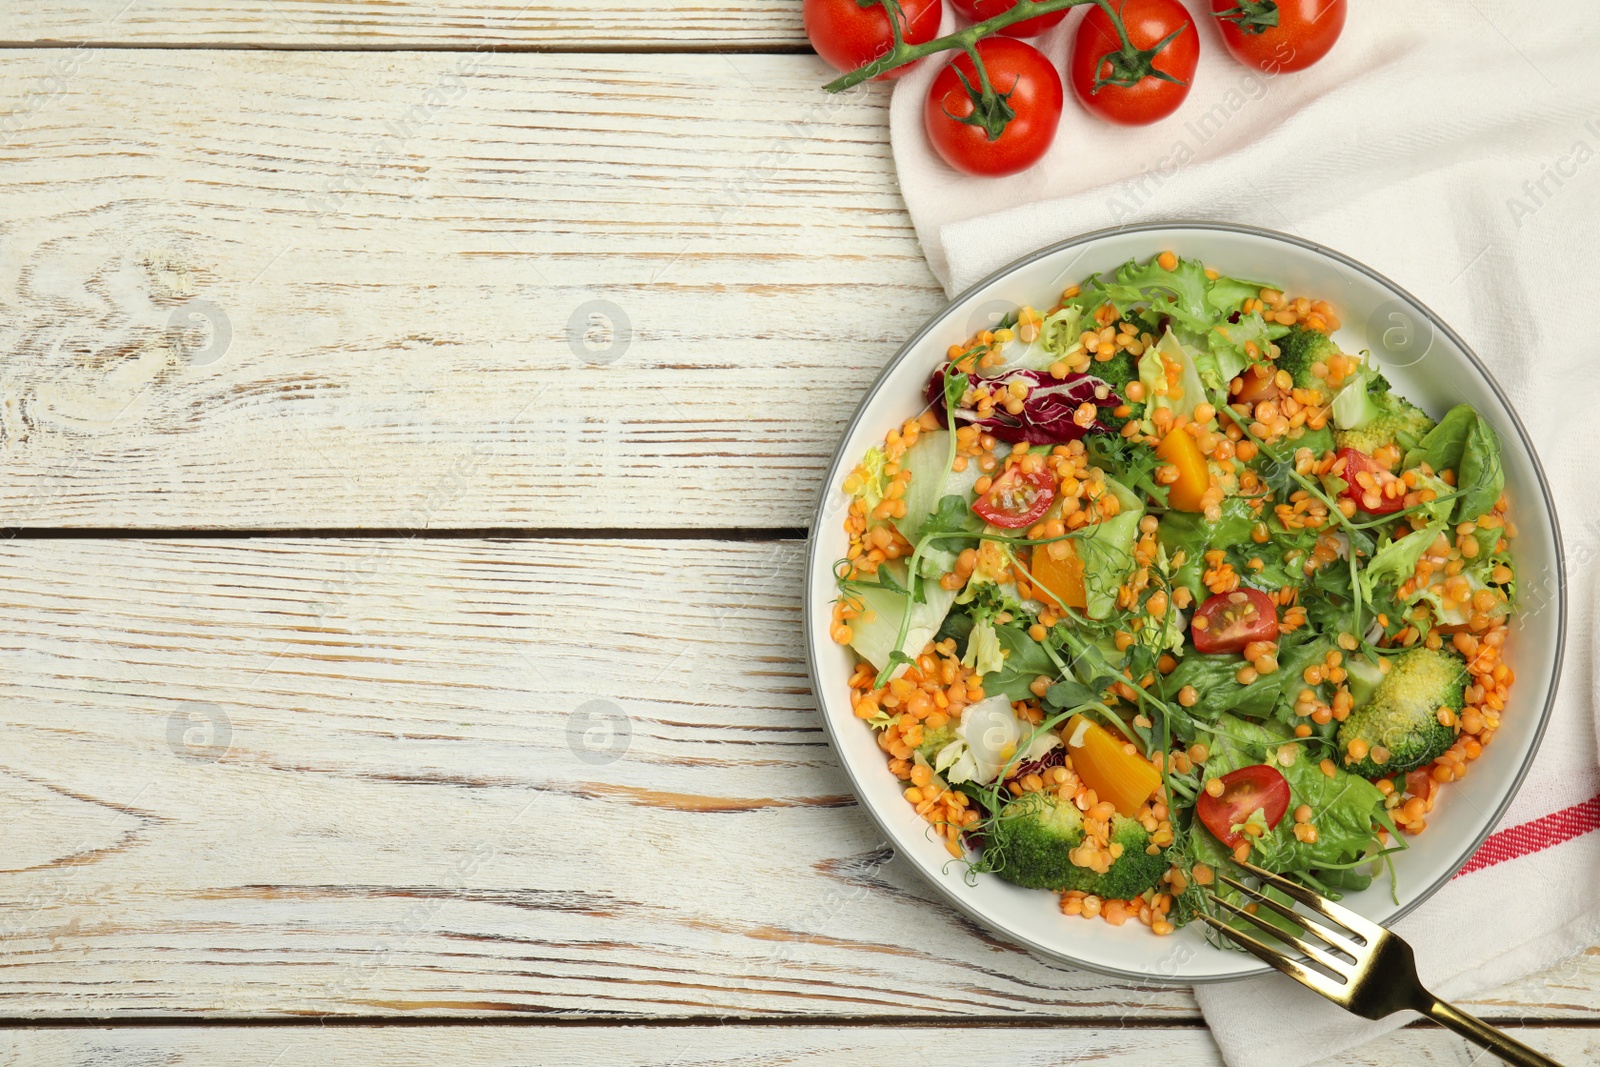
x,y
983,648
1059,332
1226,342
1395,562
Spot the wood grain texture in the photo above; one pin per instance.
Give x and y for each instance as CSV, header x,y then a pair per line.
x,y
370,290
378,777
324,24
427,778
715,1046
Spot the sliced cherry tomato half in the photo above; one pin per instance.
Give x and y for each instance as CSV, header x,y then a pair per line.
x,y
1229,621
1016,499
1419,783
1243,791
1374,501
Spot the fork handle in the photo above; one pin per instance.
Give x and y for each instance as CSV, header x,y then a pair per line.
x,y
1479,1032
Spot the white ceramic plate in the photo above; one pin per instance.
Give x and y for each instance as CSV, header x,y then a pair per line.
x,y
1426,362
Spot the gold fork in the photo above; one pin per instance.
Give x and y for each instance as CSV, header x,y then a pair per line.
x,y
1367,970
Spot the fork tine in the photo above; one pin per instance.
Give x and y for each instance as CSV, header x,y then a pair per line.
x,y
1357,924
1335,939
1314,980
1318,955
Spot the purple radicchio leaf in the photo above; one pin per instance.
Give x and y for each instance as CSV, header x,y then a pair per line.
x,y
1056,757
1047,413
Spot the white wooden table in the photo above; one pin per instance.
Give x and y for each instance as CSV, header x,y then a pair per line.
x,y
410,416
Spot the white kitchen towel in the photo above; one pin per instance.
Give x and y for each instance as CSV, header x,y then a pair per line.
x,y
1454,146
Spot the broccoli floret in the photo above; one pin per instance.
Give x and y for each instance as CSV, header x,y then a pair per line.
x,y
1117,372
1132,872
1032,841
1298,350
1403,715
935,738
1368,416
1389,419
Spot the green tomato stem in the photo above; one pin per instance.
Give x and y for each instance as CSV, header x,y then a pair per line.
x,y
1122,31
967,39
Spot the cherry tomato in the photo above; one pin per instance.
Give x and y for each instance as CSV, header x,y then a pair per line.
x,y
1229,621
1373,501
1420,783
848,35
980,10
1016,499
968,132
1149,23
1304,31
1243,791
1257,382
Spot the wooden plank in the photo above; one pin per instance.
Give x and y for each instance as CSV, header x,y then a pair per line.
x,y
713,1046
379,777
379,291
462,24
435,778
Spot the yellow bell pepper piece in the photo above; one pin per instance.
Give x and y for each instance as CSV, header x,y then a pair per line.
x,y
1126,779
1059,578
1180,449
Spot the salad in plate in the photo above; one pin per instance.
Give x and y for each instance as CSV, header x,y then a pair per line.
x,y
1162,580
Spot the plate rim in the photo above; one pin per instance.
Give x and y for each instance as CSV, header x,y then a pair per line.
x,y
819,513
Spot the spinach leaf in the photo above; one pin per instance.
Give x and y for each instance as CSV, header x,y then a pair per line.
x,y
958,625
1278,473
1269,696
1068,693
1443,446
1024,661
952,515
1348,880
1344,807
1213,677
1190,533
1086,659
1481,477
1319,441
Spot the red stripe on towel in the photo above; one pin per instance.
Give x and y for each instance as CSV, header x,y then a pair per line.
x,y
1536,836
